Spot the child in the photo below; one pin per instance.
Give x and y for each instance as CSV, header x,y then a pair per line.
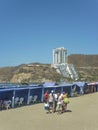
x,y
46,107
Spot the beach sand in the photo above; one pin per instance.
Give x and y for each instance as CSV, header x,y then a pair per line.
x,y
82,115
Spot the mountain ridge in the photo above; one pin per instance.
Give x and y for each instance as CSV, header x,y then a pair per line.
x,y
85,65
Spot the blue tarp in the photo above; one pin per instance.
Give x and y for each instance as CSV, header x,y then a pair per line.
x,y
65,85
6,94
67,88
49,84
31,90
36,91
80,84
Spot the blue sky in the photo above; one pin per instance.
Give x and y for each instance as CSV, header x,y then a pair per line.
x,y
30,29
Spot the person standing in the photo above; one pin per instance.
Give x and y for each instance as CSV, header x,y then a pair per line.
x,y
46,96
59,103
51,100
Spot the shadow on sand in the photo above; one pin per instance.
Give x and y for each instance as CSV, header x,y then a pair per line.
x,y
68,111
64,112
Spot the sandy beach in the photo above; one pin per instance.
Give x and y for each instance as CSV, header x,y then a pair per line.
x,y
82,115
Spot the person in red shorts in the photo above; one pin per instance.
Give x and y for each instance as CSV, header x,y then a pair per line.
x,y
46,96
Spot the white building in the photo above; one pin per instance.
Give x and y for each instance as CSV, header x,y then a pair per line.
x,y
59,55
60,63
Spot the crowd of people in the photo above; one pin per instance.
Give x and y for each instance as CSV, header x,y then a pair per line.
x,y
55,102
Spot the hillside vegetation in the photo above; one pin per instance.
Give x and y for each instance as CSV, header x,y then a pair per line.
x,y
80,60
34,73
85,65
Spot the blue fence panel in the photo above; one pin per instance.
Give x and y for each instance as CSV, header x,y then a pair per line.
x,y
76,88
58,89
6,94
22,93
36,91
67,89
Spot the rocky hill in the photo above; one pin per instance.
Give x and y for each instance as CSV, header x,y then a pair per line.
x,y
86,66
32,73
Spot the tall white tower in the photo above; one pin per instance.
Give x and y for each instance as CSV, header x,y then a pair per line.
x,y
61,64
59,55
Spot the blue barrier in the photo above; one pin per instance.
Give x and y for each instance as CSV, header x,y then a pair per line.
x,y
29,91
